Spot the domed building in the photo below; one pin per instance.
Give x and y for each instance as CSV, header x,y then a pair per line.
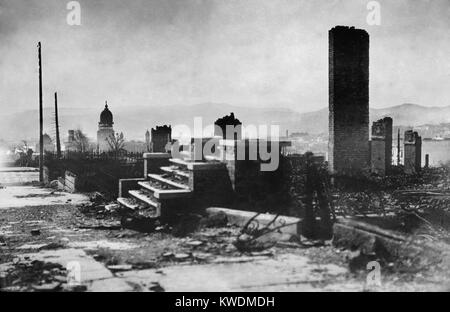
x,y
105,130
48,144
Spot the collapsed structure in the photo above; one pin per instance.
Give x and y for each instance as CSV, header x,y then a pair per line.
x,y
190,178
182,180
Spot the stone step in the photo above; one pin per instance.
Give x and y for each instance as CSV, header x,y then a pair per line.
x,y
211,158
202,165
179,162
144,197
167,181
175,178
130,203
175,170
154,185
185,155
167,193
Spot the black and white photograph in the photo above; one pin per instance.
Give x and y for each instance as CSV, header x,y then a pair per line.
x,y
224,151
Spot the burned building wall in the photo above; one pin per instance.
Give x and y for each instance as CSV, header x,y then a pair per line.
x,y
381,146
160,136
220,127
348,99
413,152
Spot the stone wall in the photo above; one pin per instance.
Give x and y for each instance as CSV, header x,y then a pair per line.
x,y
211,185
250,185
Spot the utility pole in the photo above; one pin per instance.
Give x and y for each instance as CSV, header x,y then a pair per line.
x,y
41,121
58,142
398,147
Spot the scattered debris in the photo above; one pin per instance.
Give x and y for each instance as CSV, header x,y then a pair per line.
x,y
112,207
120,267
182,256
194,243
186,224
139,223
53,184
167,255
35,232
47,287
261,253
215,220
74,288
32,247
101,225
51,194
156,287
51,246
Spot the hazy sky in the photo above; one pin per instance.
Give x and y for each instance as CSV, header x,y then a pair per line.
x,y
242,52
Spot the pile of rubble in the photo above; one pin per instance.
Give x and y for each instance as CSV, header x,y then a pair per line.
x,y
37,276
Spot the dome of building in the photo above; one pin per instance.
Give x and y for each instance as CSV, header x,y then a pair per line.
x,y
46,138
106,117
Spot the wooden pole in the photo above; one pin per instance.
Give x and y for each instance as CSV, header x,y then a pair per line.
x,y
398,147
41,121
58,142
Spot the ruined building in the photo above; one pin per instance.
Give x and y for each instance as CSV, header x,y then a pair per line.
x,y
413,152
70,145
381,146
220,127
161,135
147,141
105,130
48,144
348,100
191,179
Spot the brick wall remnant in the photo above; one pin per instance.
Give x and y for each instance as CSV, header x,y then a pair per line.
x,y
381,146
413,152
220,127
161,136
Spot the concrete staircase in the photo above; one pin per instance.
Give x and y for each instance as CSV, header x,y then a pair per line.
x,y
158,191
167,189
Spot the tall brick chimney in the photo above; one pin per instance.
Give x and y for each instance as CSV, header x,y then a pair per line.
x,y
348,100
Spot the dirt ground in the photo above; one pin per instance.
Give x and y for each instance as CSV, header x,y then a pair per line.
x,y
135,257
44,233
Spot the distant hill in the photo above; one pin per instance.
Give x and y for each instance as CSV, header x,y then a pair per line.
x,y
413,114
134,121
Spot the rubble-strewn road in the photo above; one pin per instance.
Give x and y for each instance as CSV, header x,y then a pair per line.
x,y
37,242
